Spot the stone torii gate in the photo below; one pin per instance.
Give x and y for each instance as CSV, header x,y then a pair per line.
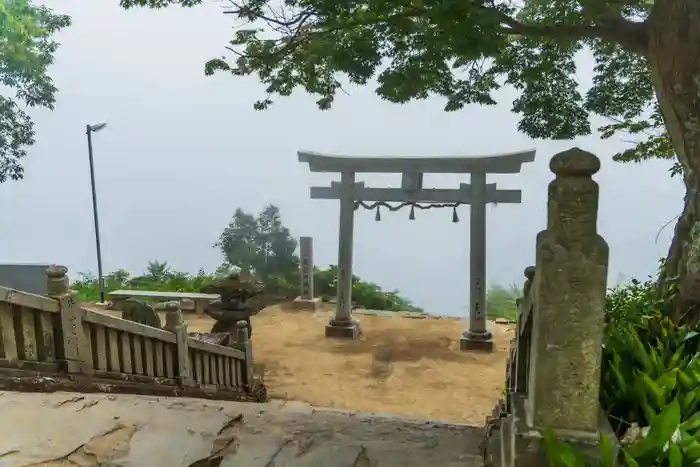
x,y
477,194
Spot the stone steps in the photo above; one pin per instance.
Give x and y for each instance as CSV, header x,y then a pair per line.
x,y
91,430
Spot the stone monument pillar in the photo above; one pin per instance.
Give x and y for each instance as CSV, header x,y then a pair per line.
x,y
571,272
306,299
567,295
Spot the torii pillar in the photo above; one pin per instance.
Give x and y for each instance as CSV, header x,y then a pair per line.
x,y
343,324
477,336
477,194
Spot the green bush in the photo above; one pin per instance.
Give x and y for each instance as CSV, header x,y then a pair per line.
x,y
365,294
501,302
632,304
159,276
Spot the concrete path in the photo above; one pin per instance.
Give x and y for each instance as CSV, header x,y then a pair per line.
x,y
86,430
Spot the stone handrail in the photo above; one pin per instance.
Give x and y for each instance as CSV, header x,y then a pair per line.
x,y
28,330
54,335
518,361
527,303
553,373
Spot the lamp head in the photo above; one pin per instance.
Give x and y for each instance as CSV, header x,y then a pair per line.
x,y
96,127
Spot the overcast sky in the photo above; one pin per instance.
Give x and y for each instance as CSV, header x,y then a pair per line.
x,y
183,151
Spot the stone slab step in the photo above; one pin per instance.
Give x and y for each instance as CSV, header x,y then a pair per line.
x,y
127,430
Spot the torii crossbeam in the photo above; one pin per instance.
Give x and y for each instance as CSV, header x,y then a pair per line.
x,y
477,194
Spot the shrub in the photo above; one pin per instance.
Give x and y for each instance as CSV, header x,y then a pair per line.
x,y
501,302
159,276
632,304
365,294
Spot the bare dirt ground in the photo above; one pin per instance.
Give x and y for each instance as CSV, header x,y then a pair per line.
x,y
403,366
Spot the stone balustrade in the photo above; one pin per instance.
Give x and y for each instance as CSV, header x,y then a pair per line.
x,y
53,335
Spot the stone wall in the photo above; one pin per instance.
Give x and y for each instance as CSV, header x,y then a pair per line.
x,y
26,277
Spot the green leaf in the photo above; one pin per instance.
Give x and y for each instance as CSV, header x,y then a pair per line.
x,y
629,460
691,451
686,381
691,335
559,453
667,381
692,423
607,452
675,456
664,425
642,354
656,393
673,362
687,401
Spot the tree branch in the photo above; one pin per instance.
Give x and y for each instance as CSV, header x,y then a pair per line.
x,y
632,36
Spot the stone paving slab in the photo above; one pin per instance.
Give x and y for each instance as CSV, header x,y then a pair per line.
x,y
99,430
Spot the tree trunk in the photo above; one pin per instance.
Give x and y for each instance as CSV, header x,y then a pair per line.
x,y
674,56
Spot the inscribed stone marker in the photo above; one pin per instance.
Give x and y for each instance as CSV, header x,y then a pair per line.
x,y
306,257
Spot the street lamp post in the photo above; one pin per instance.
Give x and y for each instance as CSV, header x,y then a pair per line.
x,y
89,130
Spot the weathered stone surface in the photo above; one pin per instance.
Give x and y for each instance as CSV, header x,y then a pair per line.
x,y
306,304
141,312
472,340
171,305
525,446
306,268
569,286
343,329
256,452
123,430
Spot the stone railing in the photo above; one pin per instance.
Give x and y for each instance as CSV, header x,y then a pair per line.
x,y
553,373
73,348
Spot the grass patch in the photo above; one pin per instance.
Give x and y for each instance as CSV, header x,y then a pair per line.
x,y
500,302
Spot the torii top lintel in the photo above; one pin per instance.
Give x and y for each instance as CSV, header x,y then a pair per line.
x,y
508,163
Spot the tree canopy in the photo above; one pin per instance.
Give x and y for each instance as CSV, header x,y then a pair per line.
x,y
26,52
261,243
645,73
462,51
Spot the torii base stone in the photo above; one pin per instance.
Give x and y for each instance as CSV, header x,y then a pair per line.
x,y
344,329
476,341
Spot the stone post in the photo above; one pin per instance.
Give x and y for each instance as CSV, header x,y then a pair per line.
x,y
523,336
570,285
477,337
343,325
568,310
175,323
75,348
306,299
244,344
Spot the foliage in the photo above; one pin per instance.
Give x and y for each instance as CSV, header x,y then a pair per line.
x,y
501,302
365,294
158,276
161,277
262,244
631,305
266,246
650,385
462,51
26,51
